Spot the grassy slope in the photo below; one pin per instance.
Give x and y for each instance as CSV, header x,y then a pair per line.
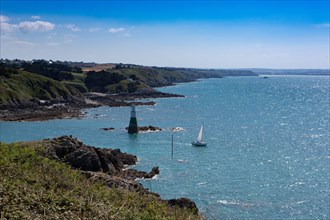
x,y
154,76
25,86
34,187
159,76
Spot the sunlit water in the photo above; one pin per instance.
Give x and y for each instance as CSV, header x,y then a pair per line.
x,y
268,152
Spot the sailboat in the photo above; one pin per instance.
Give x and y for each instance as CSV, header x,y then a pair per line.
x,y
199,142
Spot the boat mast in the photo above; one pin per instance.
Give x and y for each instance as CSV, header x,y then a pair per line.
x,y
172,148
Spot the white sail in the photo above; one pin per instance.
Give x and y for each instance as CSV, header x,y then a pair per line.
x,y
199,142
200,135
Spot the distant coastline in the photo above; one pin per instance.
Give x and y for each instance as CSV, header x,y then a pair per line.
x,y
309,72
44,89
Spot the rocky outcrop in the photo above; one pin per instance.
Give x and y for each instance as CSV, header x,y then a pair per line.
x,y
132,174
107,129
106,166
118,182
87,158
153,172
183,203
84,159
41,110
148,128
97,164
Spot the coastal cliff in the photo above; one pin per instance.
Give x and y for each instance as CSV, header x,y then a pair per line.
x,y
42,90
66,179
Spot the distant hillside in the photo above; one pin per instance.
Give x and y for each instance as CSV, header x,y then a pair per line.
x,y
18,86
226,72
25,80
162,76
291,71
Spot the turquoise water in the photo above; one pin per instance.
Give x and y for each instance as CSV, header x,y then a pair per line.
x,y
268,153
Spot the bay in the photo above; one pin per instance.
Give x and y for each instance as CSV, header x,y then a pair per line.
x,y
268,152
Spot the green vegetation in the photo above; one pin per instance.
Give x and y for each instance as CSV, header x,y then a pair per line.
x,y
54,70
154,76
35,187
97,81
26,86
22,80
77,85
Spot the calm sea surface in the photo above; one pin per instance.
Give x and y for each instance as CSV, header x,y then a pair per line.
x,y
268,153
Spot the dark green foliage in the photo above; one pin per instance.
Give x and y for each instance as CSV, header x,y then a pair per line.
x,y
7,71
132,87
57,71
133,77
97,81
122,66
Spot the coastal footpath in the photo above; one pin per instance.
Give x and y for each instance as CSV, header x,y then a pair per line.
x,y
62,178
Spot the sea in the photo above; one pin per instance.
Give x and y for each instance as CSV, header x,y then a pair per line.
x,y
267,153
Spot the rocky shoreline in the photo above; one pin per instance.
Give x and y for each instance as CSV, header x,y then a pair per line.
x,y
105,165
41,110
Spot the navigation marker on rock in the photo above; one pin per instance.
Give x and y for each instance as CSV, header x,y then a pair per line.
x,y
133,126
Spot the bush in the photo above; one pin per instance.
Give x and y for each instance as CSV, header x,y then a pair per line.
x,y
55,71
97,81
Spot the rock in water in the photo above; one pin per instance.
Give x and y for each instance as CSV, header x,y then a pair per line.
x,y
107,129
154,172
183,203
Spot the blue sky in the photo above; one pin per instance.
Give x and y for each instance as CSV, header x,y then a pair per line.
x,y
203,34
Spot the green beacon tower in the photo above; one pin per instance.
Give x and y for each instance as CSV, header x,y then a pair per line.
x,y
133,126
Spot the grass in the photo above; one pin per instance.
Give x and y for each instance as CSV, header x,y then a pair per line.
x,y
25,86
77,85
35,187
157,76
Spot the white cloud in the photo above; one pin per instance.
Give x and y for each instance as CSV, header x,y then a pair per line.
x,y
94,29
324,25
53,44
14,41
35,17
23,43
68,38
25,26
116,30
72,27
36,26
7,28
52,35
3,19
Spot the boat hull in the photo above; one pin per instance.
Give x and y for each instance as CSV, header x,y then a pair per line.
x,y
199,144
